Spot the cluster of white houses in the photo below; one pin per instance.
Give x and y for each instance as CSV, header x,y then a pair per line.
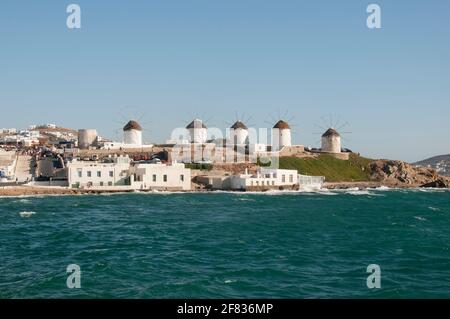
x,y
120,173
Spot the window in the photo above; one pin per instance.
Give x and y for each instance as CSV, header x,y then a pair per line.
x,y
154,178
110,184
291,178
80,173
99,174
111,174
283,178
273,183
165,178
182,178
89,174
101,183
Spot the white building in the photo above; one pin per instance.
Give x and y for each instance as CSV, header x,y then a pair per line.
x,y
198,131
121,174
132,134
281,135
331,141
8,131
8,162
91,174
266,178
161,177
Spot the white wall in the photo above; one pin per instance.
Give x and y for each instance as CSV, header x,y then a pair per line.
x,y
161,176
266,178
87,173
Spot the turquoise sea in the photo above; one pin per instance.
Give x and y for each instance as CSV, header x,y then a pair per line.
x,y
225,245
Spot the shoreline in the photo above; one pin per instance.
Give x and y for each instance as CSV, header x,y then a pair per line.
x,y
19,191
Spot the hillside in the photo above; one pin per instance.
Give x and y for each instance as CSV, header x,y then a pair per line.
x,y
357,169
360,169
440,163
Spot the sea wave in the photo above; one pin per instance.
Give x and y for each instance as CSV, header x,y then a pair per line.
x,y
27,214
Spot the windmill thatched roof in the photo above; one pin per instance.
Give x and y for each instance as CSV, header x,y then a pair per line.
x,y
132,125
282,125
196,124
239,124
331,132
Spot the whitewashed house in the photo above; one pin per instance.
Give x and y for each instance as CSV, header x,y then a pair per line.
x,y
160,177
91,174
119,173
266,178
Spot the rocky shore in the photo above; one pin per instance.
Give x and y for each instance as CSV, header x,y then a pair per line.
x,y
400,174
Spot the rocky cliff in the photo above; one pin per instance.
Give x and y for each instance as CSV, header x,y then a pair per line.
x,y
401,174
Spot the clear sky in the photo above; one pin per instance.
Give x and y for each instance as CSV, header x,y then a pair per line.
x,y
167,61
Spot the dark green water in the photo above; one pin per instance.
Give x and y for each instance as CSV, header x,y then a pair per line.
x,y
296,245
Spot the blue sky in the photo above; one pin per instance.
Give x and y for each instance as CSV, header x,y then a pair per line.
x,y
165,62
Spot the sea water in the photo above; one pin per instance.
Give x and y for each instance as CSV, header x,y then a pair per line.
x,y
227,245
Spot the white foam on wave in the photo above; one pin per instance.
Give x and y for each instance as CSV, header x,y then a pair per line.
x,y
433,190
27,214
420,218
359,192
383,188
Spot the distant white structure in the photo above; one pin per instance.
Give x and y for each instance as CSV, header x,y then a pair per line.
x,y
281,135
198,131
331,141
8,131
8,162
121,174
161,177
238,133
132,138
87,174
87,138
132,133
266,177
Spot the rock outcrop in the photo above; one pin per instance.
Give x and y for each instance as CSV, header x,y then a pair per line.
x,y
398,173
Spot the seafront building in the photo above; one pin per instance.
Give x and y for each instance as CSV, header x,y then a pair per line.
x,y
90,174
263,179
266,177
8,162
121,173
